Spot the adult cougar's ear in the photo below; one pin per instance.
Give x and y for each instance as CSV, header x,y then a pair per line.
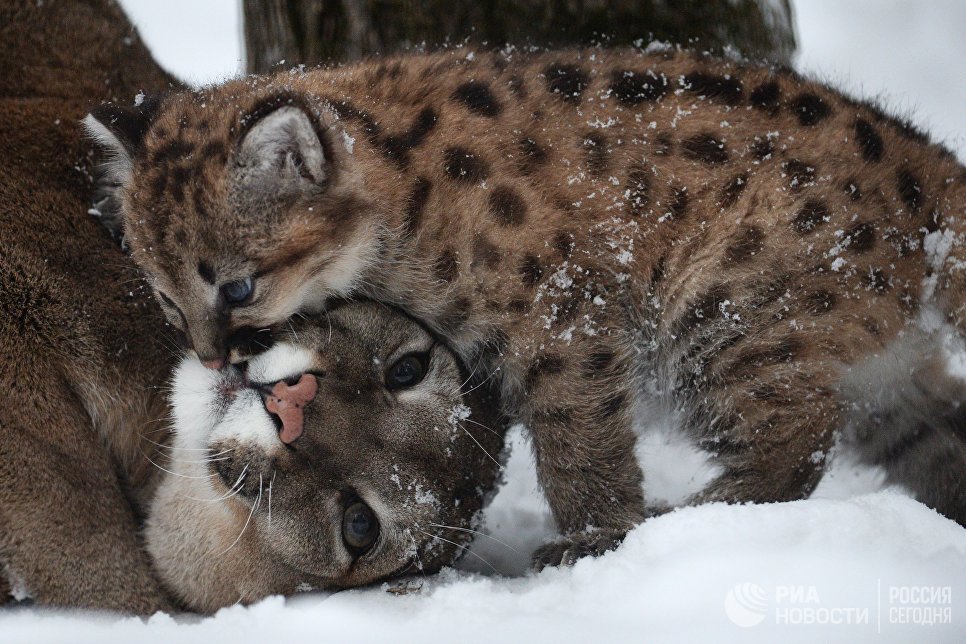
x,y
284,150
120,131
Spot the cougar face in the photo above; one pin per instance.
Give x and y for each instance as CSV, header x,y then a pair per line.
x,y
351,451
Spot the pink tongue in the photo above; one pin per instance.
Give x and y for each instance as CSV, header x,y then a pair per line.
x,y
287,402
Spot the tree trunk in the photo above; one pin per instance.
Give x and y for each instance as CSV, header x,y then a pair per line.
x,y
318,31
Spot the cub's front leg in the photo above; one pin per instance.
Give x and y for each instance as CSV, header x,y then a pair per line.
x,y
578,410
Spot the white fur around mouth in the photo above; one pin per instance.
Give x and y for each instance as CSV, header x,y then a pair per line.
x,y
210,406
284,360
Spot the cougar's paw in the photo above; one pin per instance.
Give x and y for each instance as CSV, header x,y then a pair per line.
x,y
566,551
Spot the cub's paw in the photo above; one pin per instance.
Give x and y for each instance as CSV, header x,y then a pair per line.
x,y
566,551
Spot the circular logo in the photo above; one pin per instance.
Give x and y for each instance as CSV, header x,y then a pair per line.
x,y
746,604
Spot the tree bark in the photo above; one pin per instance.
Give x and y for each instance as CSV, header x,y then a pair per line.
x,y
310,32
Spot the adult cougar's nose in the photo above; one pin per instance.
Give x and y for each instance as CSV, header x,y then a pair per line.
x,y
286,401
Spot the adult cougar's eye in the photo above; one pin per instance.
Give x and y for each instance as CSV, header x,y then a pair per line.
x,y
360,527
408,371
238,291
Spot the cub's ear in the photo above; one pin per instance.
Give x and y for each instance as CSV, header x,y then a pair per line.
x,y
120,131
283,149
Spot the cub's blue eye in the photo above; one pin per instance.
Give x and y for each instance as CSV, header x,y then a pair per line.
x,y
238,291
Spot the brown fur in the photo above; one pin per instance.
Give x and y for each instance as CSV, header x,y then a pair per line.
x,y
581,223
79,334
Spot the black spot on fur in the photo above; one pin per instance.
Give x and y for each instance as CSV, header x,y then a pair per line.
x,y
598,363
869,140
877,280
397,146
613,405
216,151
415,206
520,305
767,97
799,174
199,199
732,190
852,190
446,266
820,302
663,144
179,177
530,270
567,81
497,341
207,273
462,165
562,416
507,207
158,184
727,90
533,155
933,221
566,312
861,237
764,391
810,108
762,148
705,308
595,146
747,243
705,148
637,190
632,88
678,204
812,215
748,362
564,243
478,98
545,364
457,314
910,190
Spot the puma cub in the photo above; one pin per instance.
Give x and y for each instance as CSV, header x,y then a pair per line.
x,y
604,234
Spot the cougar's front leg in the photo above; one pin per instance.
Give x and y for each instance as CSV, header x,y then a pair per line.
x,y
67,532
579,416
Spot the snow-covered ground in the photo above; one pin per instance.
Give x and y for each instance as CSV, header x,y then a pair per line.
x,y
853,563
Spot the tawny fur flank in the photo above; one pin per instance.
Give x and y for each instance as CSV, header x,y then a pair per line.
x,y
81,348
587,226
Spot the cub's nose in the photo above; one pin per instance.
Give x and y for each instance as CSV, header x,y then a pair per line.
x,y
217,364
287,401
